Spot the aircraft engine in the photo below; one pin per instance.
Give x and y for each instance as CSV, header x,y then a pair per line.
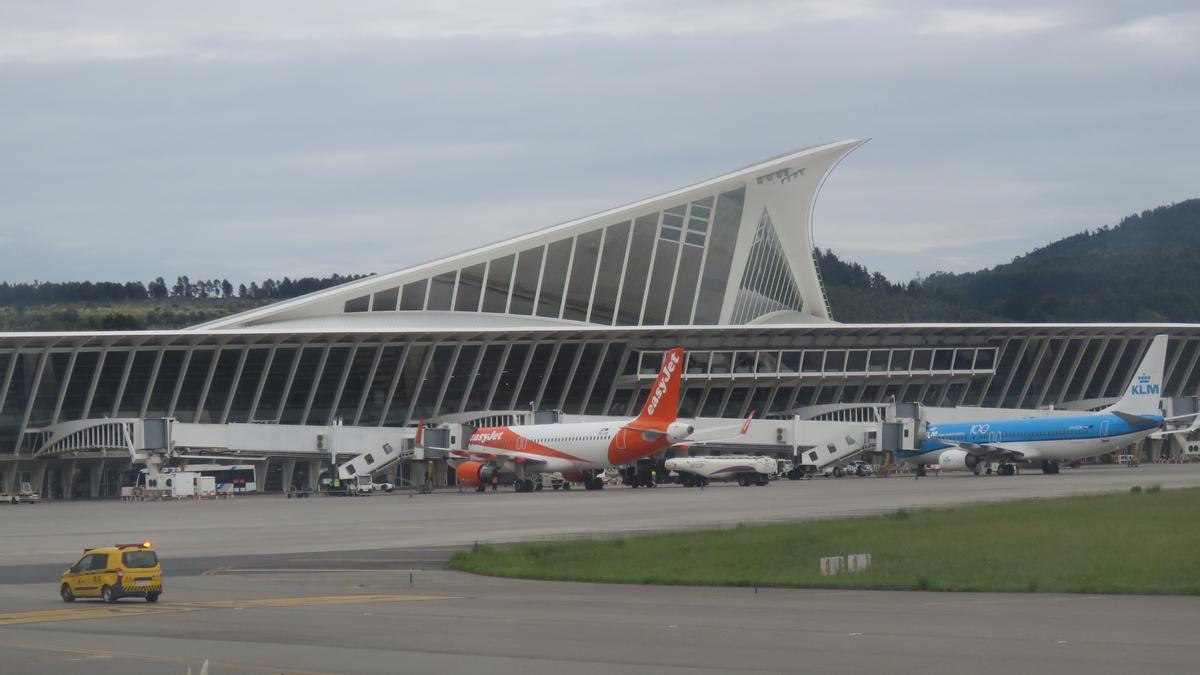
x,y
957,460
677,431
474,473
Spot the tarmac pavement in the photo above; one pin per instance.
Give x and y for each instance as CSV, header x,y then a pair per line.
x,y
266,584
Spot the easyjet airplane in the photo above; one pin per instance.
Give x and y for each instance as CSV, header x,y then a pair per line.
x,y
578,450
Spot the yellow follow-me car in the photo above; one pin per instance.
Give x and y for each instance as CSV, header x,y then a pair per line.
x,y
114,572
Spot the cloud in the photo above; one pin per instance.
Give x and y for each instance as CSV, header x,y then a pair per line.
x,y
975,23
279,29
1168,31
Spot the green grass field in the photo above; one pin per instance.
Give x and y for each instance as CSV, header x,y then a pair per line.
x,y
1145,542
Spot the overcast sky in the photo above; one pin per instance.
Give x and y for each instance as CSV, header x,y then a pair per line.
x,y
253,139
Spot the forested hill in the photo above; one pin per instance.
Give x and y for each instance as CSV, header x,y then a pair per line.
x,y
1145,269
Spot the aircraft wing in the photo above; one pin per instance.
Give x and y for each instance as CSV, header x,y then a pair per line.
x,y
468,455
990,450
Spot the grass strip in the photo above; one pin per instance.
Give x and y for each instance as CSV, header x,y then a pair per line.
x,y
1146,541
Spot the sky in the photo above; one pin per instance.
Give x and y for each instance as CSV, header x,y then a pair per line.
x,y
246,140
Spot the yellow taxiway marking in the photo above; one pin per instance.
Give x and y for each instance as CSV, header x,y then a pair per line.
x,y
111,611
78,613
323,600
301,570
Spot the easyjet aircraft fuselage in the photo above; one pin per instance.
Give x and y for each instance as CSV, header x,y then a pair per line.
x,y
571,447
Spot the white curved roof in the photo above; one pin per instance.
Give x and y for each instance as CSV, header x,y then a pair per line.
x,y
735,249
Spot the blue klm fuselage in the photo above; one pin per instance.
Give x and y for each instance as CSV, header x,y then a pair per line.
x,y
1042,438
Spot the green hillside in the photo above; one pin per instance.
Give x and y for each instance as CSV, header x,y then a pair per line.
x,y
1143,270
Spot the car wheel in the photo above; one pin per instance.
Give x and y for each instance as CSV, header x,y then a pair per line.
x,y
66,593
152,597
107,595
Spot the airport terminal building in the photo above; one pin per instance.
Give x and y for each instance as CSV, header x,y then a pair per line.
x,y
574,317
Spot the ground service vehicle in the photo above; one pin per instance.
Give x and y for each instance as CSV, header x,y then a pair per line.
x,y
25,495
114,572
855,468
745,470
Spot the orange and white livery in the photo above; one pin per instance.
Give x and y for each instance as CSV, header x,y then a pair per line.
x,y
577,450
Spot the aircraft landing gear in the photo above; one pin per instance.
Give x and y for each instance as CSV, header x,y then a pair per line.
x,y
593,482
1049,467
1007,470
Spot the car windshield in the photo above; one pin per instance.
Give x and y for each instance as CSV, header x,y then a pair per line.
x,y
140,559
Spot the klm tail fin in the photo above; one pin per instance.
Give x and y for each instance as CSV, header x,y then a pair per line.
x,y
1144,391
662,405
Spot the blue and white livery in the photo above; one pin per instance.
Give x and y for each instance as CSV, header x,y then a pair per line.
x,y
973,445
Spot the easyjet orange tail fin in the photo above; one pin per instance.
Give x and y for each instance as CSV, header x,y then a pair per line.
x,y
662,405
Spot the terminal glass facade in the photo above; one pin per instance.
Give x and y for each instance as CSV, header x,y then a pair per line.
x,y
392,380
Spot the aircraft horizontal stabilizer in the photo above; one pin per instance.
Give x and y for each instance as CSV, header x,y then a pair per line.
x,y
703,437
1135,420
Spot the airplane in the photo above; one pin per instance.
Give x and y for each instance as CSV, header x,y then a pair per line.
x,y
972,446
579,450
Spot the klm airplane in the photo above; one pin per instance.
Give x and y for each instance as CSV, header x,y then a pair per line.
x,y
972,446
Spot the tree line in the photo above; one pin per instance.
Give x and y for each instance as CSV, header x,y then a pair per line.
x,y
37,293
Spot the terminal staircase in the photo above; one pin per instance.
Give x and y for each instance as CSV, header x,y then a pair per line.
x,y
836,448
374,461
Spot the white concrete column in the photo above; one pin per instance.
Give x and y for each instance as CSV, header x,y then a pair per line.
x,y
94,477
66,477
289,469
9,477
314,474
260,475
39,478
